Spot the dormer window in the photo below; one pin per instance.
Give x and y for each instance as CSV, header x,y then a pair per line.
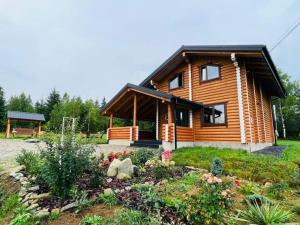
x,y
176,81
209,72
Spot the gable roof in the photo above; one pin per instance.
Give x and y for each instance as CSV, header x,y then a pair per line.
x,y
152,93
177,58
25,116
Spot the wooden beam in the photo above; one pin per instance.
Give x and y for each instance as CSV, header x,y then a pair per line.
x,y
39,129
134,109
111,121
170,114
7,128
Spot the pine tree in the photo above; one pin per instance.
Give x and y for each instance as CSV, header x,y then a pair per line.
x,y
103,103
52,100
2,110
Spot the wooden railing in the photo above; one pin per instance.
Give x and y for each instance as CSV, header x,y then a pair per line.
x,y
182,133
123,133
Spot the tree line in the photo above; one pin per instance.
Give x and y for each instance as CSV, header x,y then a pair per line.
x,y
54,108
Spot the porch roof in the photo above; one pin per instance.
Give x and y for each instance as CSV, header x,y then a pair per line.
x,y
125,94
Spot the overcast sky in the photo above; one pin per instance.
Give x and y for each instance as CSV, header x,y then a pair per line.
x,y
92,48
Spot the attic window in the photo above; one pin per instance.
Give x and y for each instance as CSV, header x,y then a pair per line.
x,y
176,81
210,72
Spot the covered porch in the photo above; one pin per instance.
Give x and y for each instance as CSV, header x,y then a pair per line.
x,y
152,117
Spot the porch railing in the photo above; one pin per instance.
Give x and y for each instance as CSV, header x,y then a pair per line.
x,y
123,133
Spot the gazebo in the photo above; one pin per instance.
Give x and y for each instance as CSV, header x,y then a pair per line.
x,y
25,117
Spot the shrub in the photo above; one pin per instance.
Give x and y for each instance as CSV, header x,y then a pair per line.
x,y
96,173
93,220
278,190
24,217
257,199
109,200
150,197
125,217
9,204
81,198
161,172
266,214
217,168
248,188
64,164
296,210
31,161
141,156
210,204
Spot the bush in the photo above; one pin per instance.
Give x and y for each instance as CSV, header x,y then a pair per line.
x,y
257,199
278,190
96,173
161,172
296,210
248,188
210,204
142,155
64,164
217,168
9,204
23,217
125,217
266,214
109,200
31,161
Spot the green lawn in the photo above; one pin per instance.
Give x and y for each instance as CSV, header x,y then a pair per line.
x,y
94,138
248,166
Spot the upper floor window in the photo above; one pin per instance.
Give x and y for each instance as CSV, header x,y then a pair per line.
x,y
214,115
210,72
176,81
182,117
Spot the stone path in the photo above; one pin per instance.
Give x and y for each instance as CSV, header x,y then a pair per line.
x,y
272,150
9,149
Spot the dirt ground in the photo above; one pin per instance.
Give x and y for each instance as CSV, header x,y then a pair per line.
x,y
10,148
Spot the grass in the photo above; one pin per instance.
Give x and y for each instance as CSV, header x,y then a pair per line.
x,y
94,138
252,167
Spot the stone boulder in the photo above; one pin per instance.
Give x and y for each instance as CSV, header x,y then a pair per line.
x,y
113,168
125,169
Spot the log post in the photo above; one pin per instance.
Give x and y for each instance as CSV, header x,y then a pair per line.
x,y
39,129
7,128
134,110
111,121
170,114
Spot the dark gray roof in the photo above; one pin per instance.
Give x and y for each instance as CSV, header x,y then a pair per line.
x,y
153,92
236,48
25,116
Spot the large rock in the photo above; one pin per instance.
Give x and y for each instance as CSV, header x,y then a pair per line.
x,y
125,169
108,191
113,168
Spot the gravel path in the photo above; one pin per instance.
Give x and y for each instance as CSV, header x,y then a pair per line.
x,y
272,150
9,149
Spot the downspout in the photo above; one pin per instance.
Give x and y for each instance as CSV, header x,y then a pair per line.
x,y
190,93
240,97
175,129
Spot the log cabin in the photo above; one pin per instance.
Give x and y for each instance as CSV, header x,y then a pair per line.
x,y
216,95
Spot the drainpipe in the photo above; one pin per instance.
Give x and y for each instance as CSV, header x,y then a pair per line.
x,y
175,129
240,97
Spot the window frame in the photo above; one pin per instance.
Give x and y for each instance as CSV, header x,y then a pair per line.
x,y
214,124
185,111
205,66
173,77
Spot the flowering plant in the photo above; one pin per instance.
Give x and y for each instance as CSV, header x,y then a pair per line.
x,y
158,163
119,155
166,155
210,204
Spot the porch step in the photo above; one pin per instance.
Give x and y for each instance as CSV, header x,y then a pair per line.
x,y
146,144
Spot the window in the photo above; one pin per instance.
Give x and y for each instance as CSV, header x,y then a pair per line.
x,y
214,114
182,117
176,81
210,72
